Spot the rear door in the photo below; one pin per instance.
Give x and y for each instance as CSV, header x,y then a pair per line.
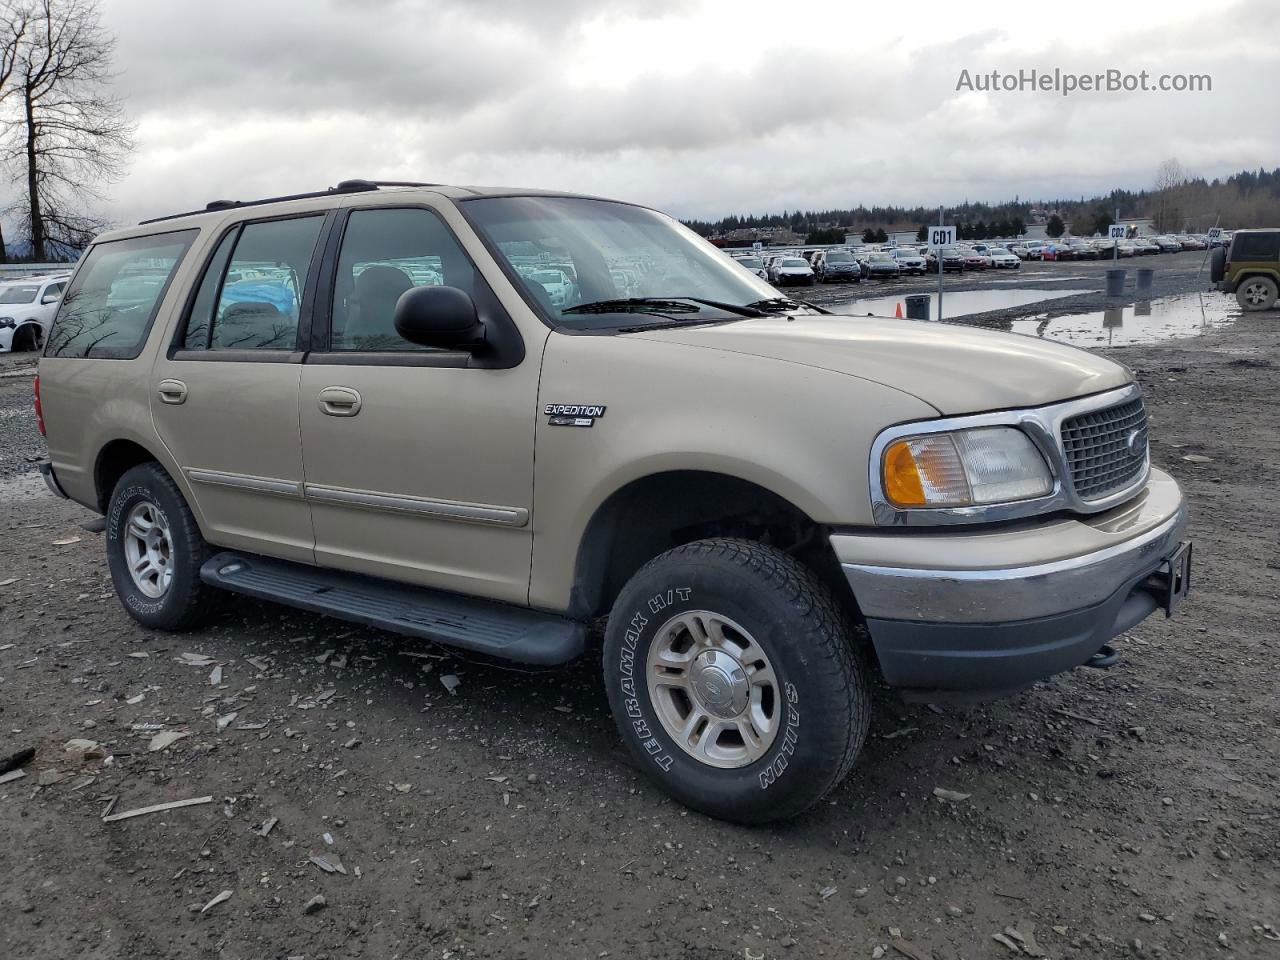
x,y
224,397
419,462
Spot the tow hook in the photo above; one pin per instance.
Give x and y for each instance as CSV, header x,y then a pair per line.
x,y
1107,656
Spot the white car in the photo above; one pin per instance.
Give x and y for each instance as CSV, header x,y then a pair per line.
x,y
791,270
557,284
27,307
1002,258
754,264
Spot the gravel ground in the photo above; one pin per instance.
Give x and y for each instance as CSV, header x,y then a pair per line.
x,y
1107,814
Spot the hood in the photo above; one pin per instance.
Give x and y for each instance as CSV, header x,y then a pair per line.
x,y
954,368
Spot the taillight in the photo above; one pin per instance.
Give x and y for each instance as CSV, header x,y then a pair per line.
x,y
39,409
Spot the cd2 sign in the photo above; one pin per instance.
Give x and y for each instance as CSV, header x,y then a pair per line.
x,y
941,237
1117,231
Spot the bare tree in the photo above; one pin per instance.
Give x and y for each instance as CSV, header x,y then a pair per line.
x,y
13,28
70,132
1170,176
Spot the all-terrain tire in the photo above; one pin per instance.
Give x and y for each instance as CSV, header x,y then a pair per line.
x,y
186,601
823,700
1257,293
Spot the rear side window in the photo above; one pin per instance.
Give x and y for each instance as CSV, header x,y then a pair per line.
x,y
250,296
114,296
1256,246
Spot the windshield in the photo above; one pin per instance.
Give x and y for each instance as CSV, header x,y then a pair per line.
x,y
792,262
18,294
839,258
594,243
752,263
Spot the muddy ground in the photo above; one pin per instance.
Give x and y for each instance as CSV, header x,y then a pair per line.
x,y
1128,812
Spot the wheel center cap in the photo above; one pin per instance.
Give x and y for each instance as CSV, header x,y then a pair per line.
x,y
720,683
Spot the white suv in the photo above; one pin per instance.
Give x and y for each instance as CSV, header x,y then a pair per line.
x,y
27,307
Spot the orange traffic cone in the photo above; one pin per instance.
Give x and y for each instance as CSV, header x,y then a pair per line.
x,y
898,312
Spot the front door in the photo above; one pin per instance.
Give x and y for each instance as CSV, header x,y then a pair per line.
x,y
225,398
419,462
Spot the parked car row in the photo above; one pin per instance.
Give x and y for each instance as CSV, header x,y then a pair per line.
x,y
853,265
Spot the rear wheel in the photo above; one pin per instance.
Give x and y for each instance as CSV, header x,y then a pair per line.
x,y
1257,293
733,680
154,552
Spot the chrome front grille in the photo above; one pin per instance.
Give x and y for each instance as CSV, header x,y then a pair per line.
x,y
1106,450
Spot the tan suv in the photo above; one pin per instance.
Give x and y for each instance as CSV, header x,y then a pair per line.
x,y
435,411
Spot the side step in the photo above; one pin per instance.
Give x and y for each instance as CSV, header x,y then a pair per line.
x,y
496,629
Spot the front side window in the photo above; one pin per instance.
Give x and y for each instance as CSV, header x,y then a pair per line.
x,y
570,253
385,253
111,302
250,296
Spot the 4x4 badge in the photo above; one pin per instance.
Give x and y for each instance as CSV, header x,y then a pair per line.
x,y
573,414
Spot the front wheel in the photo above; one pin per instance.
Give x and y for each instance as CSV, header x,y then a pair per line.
x,y
733,680
1257,293
154,552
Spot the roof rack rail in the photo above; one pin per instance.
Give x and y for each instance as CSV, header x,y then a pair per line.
x,y
344,186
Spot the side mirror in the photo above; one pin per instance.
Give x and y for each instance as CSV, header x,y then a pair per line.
x,y
445,317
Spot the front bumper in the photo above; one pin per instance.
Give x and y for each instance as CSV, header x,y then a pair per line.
x,y
991,612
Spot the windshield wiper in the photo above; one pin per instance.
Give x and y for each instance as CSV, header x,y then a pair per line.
x,y
782,304
639,304
667,304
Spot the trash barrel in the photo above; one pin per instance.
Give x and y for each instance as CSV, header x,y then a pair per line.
x,y
1115,283
1145,276
918,306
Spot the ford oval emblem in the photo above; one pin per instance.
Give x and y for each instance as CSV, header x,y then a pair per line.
x,y
1133,443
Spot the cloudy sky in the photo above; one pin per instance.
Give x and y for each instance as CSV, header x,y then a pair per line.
x,y
700,107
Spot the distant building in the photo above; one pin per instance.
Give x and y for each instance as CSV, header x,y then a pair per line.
x,y
1139,226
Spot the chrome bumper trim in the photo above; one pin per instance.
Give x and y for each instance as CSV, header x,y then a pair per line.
x,y
1009,594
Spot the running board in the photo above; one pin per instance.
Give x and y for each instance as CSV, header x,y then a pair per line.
x,y
483,626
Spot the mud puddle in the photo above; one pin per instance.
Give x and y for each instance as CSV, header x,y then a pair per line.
x,y
1168,318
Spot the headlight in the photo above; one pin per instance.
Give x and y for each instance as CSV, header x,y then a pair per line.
x,y
963,468
7,322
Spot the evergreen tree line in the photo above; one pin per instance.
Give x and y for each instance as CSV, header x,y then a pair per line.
x,y
1245,199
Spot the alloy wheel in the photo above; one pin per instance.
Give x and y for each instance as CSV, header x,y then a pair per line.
x,y
148,549
714,689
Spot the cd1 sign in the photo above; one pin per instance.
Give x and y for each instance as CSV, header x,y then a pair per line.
x,y
941,237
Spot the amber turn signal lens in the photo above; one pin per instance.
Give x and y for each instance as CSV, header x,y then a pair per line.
x,y
901,476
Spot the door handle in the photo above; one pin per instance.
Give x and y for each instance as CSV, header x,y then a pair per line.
x,y
172,391
339,401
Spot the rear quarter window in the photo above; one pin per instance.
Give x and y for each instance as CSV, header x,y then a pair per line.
x,y
112,300
1256,246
